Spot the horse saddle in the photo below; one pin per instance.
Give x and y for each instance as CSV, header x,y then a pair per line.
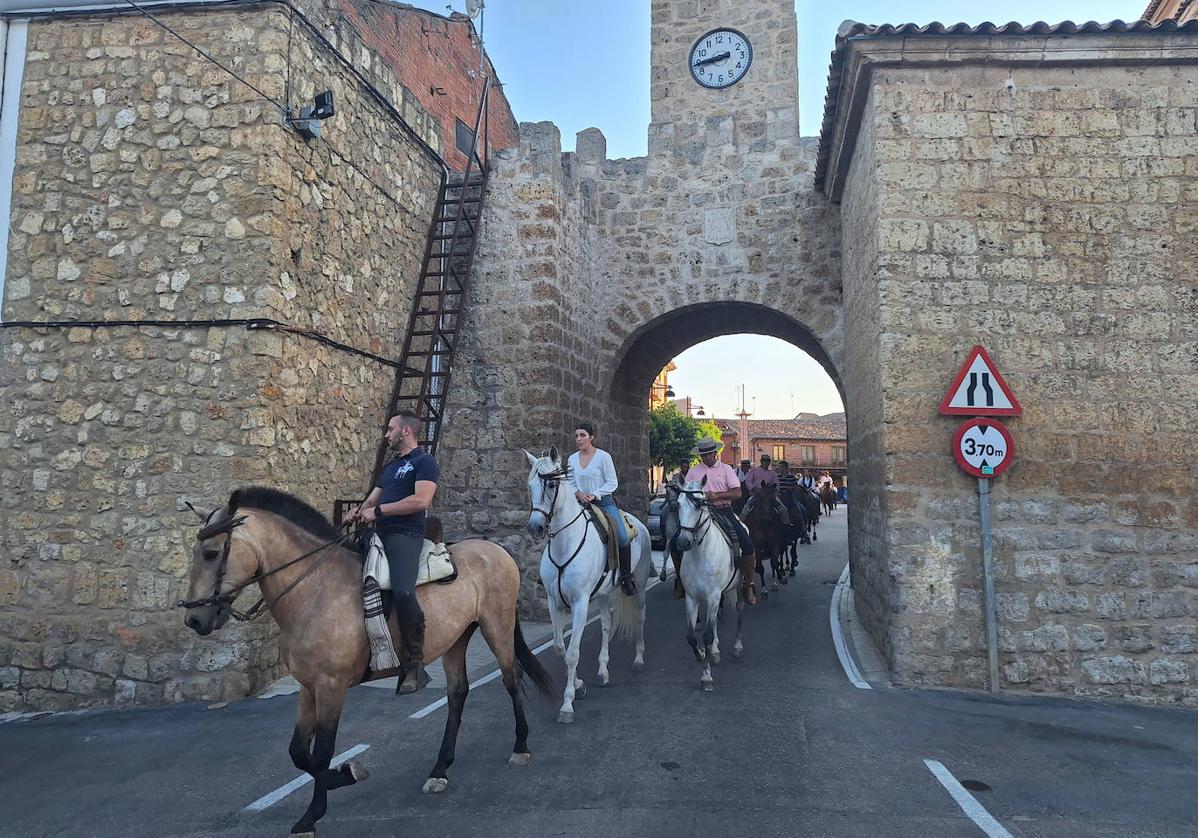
x,y
436,564
606,527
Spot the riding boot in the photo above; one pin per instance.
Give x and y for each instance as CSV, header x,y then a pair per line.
x,y
413,641
627,583
676,557
748,567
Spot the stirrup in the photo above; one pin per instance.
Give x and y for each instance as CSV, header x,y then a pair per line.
x,y
628,584
412,681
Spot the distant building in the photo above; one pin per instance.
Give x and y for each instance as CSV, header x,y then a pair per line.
x,y
659,391
807,441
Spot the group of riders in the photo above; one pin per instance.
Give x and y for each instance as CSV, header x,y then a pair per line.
x,y
396,508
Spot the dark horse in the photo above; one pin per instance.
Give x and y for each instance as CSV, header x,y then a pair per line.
x,y
766,530
811,505
312,586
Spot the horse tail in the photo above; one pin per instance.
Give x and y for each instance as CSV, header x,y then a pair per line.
x,y
530,664
624,611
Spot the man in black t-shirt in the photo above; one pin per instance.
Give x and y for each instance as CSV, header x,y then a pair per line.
x,y
396,508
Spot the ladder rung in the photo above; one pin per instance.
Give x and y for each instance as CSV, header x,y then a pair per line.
x,y
422,353
448,236
433,291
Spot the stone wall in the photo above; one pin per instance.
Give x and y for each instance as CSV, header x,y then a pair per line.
x,y
151,186
1046,212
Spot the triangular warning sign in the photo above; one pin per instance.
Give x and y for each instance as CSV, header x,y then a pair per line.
x,y
979,390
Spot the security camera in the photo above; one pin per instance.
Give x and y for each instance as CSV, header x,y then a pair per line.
x,y
308,123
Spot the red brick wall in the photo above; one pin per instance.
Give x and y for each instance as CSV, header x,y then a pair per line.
x,y
428,53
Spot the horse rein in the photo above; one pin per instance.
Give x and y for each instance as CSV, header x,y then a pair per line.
x,y
698,531
225,599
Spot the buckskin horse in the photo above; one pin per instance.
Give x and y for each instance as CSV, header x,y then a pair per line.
x,y
768,534
312,585
574,569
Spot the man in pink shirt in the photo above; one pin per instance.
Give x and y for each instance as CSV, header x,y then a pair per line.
x,y
721,489
755,479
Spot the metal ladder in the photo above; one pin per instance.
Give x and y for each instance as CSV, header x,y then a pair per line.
x,y
426,361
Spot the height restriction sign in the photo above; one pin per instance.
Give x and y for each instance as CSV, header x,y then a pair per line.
x,y
983,447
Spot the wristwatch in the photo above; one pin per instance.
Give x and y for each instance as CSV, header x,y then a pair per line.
x,y
378,511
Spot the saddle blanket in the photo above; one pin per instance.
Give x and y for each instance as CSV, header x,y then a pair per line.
x,y
435,564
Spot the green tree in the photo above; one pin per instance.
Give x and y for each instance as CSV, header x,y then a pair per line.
x,y
671,435
710,430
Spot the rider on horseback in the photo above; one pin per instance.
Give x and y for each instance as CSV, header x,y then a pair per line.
x,y
721,489
593,482
396,508
757,476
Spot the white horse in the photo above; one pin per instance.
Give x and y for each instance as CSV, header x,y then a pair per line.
x,y
708,574
574,569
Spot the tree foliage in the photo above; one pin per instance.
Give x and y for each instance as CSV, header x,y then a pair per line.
x,y
671,435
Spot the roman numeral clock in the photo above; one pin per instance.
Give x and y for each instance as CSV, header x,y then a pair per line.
x,y
721,58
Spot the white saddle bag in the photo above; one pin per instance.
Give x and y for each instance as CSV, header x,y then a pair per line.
x,y
435,564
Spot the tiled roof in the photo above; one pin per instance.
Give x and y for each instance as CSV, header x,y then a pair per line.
x,y
852,30
829,427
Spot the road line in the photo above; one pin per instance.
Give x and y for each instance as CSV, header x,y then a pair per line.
x,y
975,811
842,650
278,794
493,674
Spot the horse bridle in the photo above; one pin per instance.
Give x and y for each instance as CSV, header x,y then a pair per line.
x,y
225,600
556,477
698,531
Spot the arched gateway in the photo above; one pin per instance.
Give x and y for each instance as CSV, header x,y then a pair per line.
x,y
993,186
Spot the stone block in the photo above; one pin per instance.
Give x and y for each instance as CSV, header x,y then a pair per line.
x,y
1115,669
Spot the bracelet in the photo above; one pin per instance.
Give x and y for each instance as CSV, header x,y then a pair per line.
x,y
378,511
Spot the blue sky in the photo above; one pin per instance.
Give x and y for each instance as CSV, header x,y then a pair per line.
x,y
586,63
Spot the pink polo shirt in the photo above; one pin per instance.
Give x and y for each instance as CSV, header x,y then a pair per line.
x,y
758,475
720,478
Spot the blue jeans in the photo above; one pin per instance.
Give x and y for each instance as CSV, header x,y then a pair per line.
x,y
609,506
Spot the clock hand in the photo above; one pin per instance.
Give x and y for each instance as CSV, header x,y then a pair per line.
x,y
713,59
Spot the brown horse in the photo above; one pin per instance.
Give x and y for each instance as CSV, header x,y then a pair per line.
x,y
766,531
312,586
827,497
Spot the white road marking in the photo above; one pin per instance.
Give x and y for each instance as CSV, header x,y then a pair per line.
x,y
493,674
299,782
842,650
975,811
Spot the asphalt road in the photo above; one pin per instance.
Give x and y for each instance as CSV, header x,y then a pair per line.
x,y
784,746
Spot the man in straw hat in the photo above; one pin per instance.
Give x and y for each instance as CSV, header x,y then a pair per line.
x,y
722,488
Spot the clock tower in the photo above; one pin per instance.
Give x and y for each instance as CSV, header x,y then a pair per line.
x,y
724,73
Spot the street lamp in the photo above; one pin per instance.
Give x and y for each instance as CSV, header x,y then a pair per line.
x,y
670,392
699,412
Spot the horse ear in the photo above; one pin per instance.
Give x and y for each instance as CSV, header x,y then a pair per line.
x,y
553,455
531,459
233,498
703,482
198,513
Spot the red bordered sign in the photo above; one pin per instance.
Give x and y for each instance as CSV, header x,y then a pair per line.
x,y
979,390
983,447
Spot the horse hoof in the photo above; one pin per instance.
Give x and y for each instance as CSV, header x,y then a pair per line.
x,y
774,586
303,833
580,691
738,652
715,657
565,718
708,686
435,785
604,680
792,571
638,666
519,760
765,594
701,655
356,771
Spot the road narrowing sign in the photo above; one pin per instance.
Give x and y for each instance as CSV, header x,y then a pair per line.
x,y
979,390
983,447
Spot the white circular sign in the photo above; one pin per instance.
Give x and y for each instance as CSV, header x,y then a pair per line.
x,y
983,447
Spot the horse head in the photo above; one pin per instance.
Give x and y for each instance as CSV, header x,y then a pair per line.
x,y
544,485
216,559
690,502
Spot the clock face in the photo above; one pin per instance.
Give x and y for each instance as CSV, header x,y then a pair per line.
x,y
721,58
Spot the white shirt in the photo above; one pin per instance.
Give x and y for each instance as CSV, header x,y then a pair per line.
x,y
598,478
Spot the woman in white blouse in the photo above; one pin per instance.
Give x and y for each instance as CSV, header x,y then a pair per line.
x,y
593,476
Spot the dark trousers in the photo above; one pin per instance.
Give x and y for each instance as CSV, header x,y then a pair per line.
x,y
734,526
403,560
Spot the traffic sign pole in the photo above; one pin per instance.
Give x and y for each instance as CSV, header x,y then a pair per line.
x,y
988,583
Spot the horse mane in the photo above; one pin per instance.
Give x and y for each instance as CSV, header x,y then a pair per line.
x,y
286,506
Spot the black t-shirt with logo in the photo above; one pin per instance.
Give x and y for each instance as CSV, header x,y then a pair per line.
x,y
398,481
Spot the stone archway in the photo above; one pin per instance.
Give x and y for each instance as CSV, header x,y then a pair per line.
x,y
648,348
